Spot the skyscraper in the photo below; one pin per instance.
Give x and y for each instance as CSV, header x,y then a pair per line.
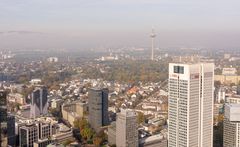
x,y
11,130
126,129
3,118
39,102
191,99
231,126
98,108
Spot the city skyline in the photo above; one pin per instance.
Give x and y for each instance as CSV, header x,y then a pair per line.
x,y
92,24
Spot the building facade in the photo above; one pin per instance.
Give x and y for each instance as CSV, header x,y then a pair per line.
x,y
39,102
98,108
28,134
190,105
231,126
11,130
126,129
3,118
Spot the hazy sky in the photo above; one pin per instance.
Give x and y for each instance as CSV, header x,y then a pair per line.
x,y
81,24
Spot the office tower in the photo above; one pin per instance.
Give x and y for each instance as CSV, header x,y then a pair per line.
x,y
28,134
231,126
3,118
39,102
11,130
126,129
191,99
98,108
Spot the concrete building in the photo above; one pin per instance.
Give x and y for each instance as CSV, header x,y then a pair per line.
x,y
231,126
112,134
3,118
63,133
98,108
126,129
229,71
73,111
28,134
37,132
228,79
157,140
190,104
234,99
221,94
39,102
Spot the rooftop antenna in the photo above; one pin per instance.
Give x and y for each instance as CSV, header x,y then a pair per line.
x,y
153,36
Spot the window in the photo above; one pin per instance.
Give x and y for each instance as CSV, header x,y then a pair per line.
x,y
178,69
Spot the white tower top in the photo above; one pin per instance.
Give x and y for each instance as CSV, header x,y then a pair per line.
x,y
152,35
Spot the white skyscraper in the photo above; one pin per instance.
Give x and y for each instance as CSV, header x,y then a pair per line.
x,y
191,105
126,129
231,126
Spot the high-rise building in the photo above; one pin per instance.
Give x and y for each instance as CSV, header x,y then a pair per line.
x,y
11,130
39,102
231,126
3,118
98,108
126,129
190,105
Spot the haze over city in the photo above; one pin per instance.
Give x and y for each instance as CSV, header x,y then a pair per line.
x,y
119,73
80,24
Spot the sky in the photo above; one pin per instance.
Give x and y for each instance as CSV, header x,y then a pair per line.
x,y
84,24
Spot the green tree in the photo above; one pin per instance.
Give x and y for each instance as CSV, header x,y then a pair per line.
x,y
140,118
83,123
76,123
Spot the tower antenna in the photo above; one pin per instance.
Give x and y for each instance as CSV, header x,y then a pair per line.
x,y
153,36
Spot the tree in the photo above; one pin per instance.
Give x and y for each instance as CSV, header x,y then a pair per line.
x,y
220,117
97,141
76,123
67,142
140,118
83,123
87,133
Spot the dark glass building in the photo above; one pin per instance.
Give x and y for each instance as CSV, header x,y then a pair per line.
x,y
39,102
11,130
98,108
3,118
